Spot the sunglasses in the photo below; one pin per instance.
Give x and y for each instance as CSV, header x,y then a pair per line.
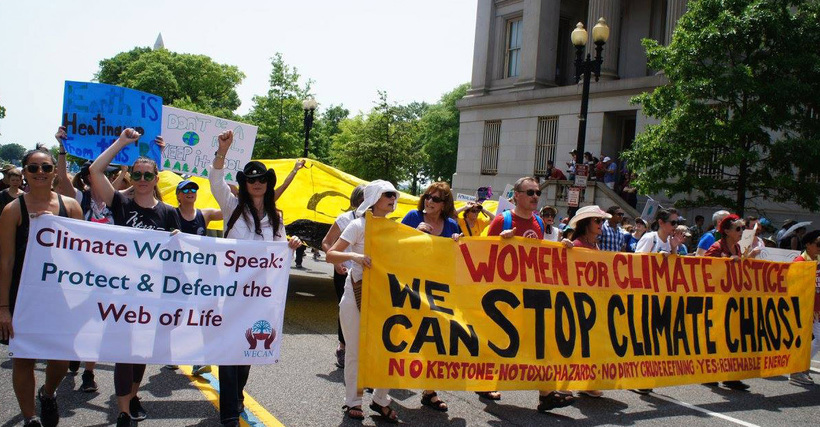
x,y
547,215
436,199
34,168
390,194
144,176
188,190
531,192
739,229
599,220
675,222
619,214
261,179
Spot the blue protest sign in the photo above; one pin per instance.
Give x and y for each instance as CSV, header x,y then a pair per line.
x,y
95,114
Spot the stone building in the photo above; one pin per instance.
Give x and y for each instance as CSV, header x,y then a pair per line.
x,y
523,105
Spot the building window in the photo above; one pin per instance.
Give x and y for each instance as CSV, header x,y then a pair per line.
x,y
489,147
546,137
711,168
512,59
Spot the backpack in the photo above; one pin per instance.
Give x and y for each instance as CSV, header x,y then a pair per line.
x,y
508,221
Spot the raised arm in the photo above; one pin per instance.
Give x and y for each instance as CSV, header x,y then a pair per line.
x,y
288,179
64,186
96,172
219,188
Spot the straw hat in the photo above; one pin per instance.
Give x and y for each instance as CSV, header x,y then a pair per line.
x,y
585,212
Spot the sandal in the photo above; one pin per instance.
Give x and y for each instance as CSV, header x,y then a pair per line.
x,y
592,393
554,400
385,412
350,409
489,395
438,405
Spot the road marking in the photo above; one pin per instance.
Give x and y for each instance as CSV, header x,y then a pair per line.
x,y
705,411
254,415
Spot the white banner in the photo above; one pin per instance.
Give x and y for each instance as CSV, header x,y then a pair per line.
x,y
96,292
191,141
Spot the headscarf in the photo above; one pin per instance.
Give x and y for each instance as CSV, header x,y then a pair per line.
x,y
373,192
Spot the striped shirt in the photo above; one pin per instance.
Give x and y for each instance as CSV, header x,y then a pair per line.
x,y
612,239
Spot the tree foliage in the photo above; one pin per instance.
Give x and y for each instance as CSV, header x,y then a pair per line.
x,y
738,118
279,113
439,133
12,152
191,82
2,111
376,146
325,128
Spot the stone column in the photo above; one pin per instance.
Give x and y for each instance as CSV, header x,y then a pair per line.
x,y
481,51
674,10
539,46
610,10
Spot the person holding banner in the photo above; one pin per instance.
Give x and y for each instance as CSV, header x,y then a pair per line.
x,y
340,270
728,246
811,241
145,211
380,198
252,215
39,170
522,221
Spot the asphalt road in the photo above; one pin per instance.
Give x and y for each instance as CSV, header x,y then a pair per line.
x,y
306,389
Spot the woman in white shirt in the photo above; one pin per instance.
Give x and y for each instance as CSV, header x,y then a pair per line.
x,y
380,197
250,216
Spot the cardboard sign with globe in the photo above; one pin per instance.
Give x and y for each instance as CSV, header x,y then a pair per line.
x,y
191,141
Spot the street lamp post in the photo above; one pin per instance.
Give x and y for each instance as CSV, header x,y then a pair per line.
x,y
586,67
309,105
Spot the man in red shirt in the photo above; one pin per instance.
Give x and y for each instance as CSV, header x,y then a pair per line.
x,y
525,224
553,172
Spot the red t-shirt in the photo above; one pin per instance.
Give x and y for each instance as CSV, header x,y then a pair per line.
x,y
523,227
816,289
557,174
578,243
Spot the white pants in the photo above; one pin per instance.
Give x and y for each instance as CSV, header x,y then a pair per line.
x,y
349,316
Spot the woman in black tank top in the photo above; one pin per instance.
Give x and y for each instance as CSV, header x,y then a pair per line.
x,y
39,171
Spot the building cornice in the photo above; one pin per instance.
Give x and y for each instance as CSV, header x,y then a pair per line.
x,y
631,86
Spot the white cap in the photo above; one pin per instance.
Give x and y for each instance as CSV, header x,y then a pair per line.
x,y
372,193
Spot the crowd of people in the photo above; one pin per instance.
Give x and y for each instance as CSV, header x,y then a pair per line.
x,y
127,197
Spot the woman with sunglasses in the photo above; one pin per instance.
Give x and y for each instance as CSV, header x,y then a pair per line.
x,y
39,171
664,239
252,215
728,246
146,211
380,198
469,220
435,213
551,232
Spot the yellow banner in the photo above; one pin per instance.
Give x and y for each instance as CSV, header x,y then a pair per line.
x,y
318,192
491,314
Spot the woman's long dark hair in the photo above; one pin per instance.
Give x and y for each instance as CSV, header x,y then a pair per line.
x,y
245,205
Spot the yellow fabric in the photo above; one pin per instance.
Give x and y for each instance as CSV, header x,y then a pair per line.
x,y
544,317
478,226
318,192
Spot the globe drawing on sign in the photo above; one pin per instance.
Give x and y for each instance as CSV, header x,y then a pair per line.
x,y
191,138
261,329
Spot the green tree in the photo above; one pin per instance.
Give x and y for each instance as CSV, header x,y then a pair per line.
x,y
738,118
2,111
417,162
12,152
191,82
378,146
279,114
324,129
439,133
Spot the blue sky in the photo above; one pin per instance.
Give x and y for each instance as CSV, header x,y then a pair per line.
x,y
414,49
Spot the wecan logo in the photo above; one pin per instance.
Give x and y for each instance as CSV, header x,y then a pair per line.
x,y
260,331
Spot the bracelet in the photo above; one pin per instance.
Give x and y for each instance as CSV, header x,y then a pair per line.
x,y
219,156
6,305
62,153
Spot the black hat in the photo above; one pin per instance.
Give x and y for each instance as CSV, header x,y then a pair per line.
x,y
84,168
255,169
810,237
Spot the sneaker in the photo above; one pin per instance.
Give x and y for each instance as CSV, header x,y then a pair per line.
x,y
299,267
340,357
88,385
32,422
736,385
200,369
123,420
74,366
800,378
137,411
171,367
49,414
643,391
